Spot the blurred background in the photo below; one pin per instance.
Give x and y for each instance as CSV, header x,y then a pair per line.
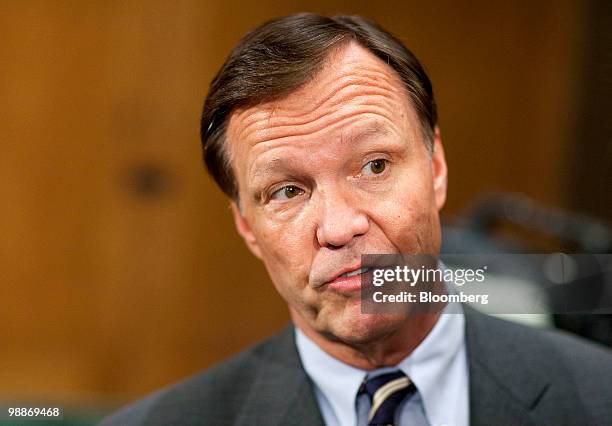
x,y
120,270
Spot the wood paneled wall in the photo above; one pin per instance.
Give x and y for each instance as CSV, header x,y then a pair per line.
x,y
120,270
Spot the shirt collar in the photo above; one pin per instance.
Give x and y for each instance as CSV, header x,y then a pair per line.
x,y
428,367
437,366
337,381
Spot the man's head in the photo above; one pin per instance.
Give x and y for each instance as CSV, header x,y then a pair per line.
x,y
323,133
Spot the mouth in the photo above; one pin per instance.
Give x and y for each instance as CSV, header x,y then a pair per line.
x,y
348,281
358,271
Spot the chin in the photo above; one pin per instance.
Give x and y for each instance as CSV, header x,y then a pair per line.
x,y
361,329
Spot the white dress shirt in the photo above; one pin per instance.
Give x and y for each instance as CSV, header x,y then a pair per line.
x,y
437,367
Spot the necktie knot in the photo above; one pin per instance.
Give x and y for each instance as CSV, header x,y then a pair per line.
x,y
386,393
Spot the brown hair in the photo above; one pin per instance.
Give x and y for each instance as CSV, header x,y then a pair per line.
x,y
281,55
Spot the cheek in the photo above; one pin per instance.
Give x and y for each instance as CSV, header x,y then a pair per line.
x,y
285,250
409,219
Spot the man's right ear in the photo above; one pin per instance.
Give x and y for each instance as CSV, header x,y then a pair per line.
x,y
244,229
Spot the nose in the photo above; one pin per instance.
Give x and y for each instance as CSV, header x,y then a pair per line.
x,y
341,219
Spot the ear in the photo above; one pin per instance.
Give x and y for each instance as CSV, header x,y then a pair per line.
x,y
439,170
244,229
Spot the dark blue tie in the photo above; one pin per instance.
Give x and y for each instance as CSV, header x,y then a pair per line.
x,y
386,393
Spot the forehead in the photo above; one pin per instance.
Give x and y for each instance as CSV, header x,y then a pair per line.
x,y
354,88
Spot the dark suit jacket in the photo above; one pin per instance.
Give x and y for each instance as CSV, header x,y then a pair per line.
x,y
517,376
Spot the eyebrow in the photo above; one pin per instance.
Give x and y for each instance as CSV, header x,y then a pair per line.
x,y
375,129
271,166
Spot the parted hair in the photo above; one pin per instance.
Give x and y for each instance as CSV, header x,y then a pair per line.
x,y
283,54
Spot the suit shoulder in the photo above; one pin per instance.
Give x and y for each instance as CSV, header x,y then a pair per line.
x,y
576,352
215,393
589,363
563,357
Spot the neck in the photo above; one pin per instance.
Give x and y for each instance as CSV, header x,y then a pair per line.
x,y
385,350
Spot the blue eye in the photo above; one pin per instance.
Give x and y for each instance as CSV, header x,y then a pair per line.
x,y
375,167
286,192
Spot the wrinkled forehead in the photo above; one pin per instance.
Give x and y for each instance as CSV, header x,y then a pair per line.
x,y
352,84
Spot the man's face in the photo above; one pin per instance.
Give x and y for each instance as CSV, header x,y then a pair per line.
x,y
337,169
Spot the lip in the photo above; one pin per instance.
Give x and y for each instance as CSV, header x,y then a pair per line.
x,y
347,284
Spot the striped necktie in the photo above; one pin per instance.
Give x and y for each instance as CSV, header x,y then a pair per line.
x,y
386,392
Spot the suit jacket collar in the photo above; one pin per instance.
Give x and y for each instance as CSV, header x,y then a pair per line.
x,y
282,387
499,393
508,378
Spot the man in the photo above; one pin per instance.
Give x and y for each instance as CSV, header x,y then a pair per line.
x,y
322,131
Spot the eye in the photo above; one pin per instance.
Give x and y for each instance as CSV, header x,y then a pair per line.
x,y
375,167
286,192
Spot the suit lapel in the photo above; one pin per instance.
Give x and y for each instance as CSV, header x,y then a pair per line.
x,y
504,386
491,403
281,393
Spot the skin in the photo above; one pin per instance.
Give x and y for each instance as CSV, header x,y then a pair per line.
x,y
313,198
